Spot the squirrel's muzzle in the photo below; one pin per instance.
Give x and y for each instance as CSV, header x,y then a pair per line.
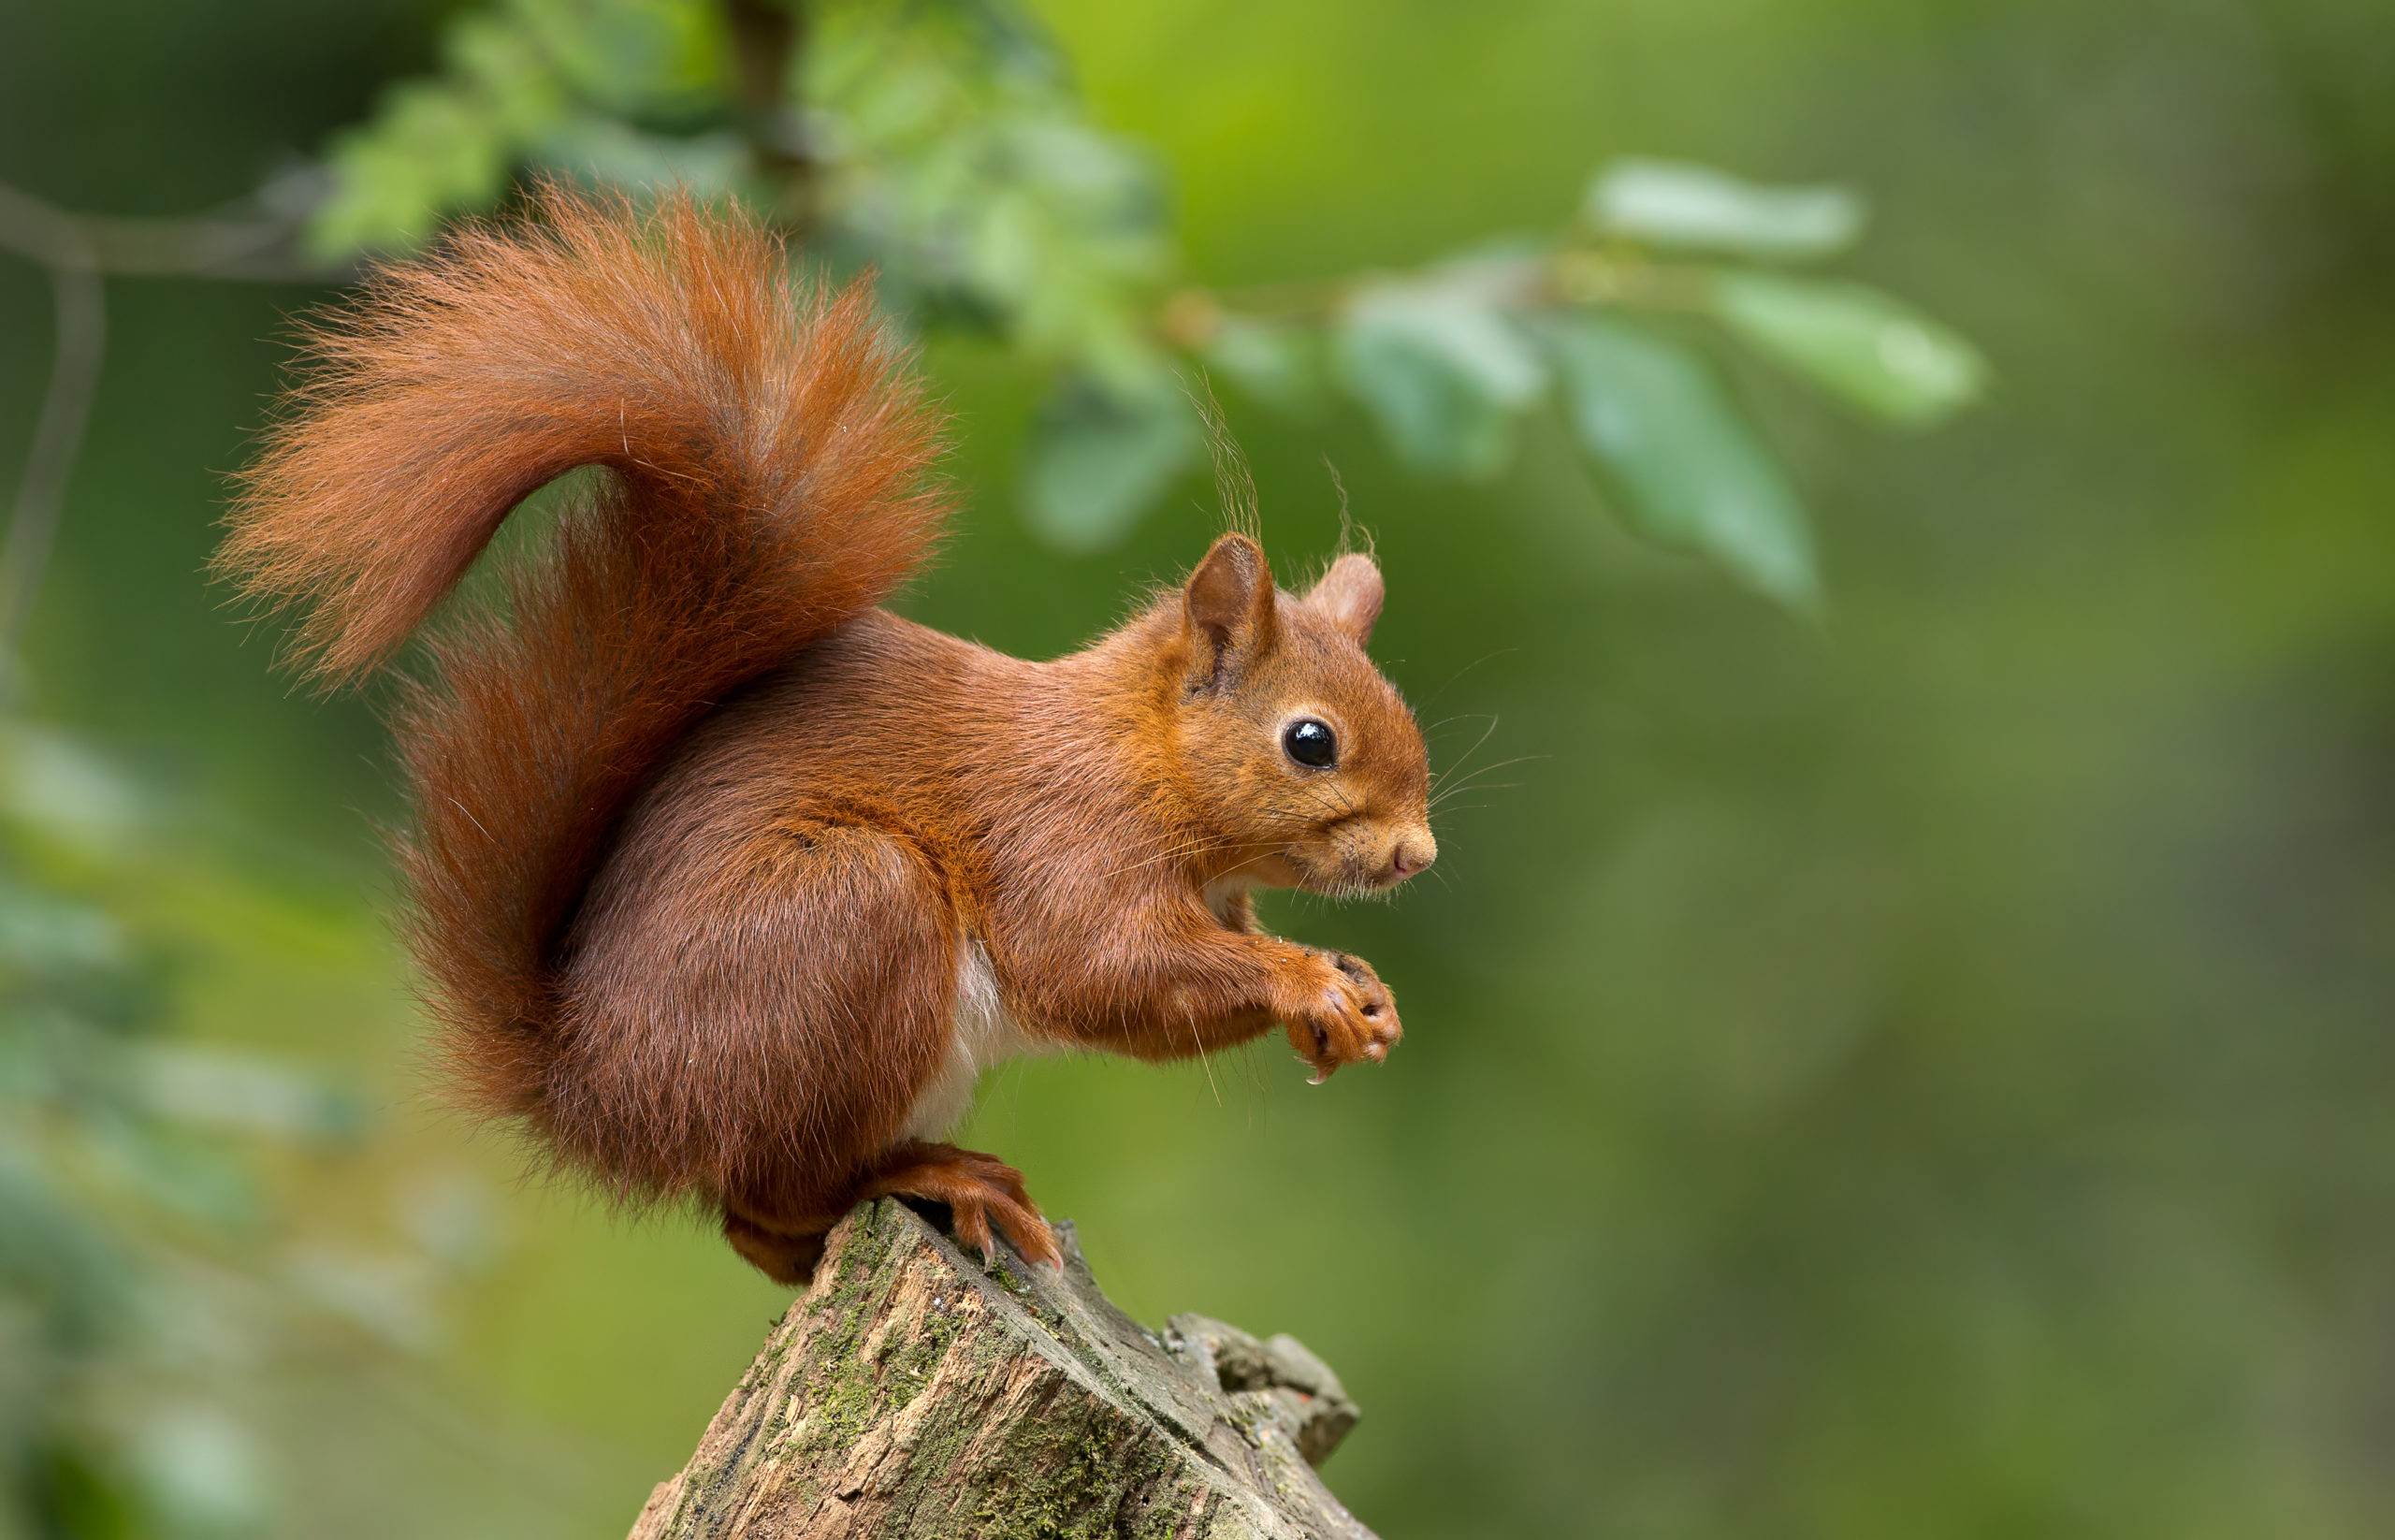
x,y
1409,855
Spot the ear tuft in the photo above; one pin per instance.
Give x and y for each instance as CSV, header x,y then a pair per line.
x,y
1229,597
1349,595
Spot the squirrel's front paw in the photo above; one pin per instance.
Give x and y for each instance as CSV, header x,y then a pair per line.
x,y
1338,1013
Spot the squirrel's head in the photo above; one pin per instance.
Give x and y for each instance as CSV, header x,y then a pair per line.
x,y
1291,747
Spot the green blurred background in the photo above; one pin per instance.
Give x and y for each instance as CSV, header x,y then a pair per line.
x,y
1921,1070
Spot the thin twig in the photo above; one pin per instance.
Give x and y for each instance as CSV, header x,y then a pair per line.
x,y
770,39
79,300
219,245
1577,272
78,249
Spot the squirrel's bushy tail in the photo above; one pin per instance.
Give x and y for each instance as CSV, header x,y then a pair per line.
x,y
766,462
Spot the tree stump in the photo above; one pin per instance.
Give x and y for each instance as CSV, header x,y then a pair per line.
x,y
913,1392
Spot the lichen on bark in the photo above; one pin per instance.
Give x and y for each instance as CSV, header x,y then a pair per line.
x,y
912,1391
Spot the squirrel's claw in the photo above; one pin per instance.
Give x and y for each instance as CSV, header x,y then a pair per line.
x,y
1350,1018
981,1191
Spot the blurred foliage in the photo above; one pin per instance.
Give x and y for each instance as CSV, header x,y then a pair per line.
x,y
107,1172
941,145
1926,1072
168,1329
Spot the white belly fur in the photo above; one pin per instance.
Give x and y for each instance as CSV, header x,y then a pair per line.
x,y
981,1035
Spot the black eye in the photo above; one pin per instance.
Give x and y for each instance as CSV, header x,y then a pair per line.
x,y
1311,742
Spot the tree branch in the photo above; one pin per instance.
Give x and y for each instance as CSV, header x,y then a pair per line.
x,y
78,249
769,40
265,248
80,304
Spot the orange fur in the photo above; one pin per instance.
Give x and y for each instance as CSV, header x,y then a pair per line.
x,y
707,847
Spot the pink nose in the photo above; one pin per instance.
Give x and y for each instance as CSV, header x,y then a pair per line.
x,y
1411,858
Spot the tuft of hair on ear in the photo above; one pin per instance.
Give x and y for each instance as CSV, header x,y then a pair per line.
x,y
1352,536
1234,484
1230,599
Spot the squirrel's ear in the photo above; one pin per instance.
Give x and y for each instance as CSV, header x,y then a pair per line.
x,y
1349,595
1229,600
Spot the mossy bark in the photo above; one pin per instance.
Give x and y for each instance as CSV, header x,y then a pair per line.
x,y
913,1392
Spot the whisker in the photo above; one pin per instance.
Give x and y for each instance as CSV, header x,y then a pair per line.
x,y
1466,669
1142,866
1199,1043
1440,778
1440,799
1175,853
1446,789
1443,805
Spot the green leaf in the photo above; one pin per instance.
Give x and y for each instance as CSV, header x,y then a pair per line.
x,y
1442,370
57,1251
1694,207
51,782
40,932
1276,364
1689,470
635,57
551,80
428,151
1100,457
495,62
180,1171
212,1088
1870,348
961,165
610,153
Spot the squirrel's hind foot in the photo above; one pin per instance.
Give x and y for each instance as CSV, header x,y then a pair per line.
x,y
984,1193
981,1190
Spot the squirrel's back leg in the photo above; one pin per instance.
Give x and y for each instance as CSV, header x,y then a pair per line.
x,y
750,1015
775,1061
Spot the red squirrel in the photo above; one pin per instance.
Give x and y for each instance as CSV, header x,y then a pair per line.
x,y
725,882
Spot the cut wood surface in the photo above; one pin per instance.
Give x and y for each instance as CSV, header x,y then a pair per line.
x,y
911,1391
